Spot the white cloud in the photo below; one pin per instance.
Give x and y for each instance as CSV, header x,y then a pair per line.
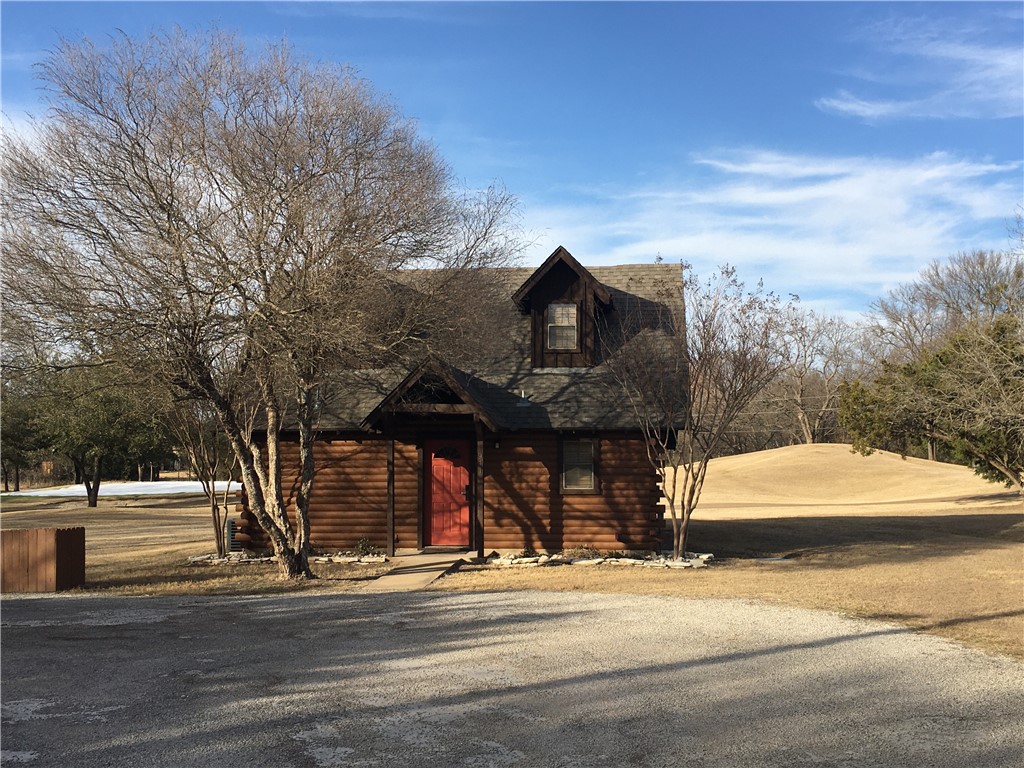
x,y
14,59
838,231
936,71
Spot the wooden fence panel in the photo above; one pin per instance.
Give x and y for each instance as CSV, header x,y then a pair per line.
x,y
42,559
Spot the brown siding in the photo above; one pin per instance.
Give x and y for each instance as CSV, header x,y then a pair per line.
x,y
523,504
350,495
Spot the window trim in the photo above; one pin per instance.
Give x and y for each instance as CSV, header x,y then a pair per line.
x,y
595,487
549,324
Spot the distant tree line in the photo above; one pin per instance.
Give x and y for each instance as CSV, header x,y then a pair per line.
x,y
947,379
935,370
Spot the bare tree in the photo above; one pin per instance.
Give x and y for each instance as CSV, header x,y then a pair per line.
x,y
237,225
970,289
689,375
818,355
197,432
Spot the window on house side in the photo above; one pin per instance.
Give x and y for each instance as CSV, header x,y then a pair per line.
x,y
578,465
562,326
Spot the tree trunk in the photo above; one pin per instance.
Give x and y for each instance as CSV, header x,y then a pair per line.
x,y
677,534
3,469
306,474
294,564
1013,475
17,477
805,427
92,487
263,489
261,482
684,530
218,525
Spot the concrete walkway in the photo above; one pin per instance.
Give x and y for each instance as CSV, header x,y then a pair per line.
x,y
412,572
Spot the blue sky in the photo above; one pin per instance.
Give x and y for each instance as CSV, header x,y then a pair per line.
x,y
832,149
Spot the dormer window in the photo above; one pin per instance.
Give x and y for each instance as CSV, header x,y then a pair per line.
x,y
564,301
562,326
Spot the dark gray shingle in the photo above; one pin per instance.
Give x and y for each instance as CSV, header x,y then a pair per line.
x,y
555,398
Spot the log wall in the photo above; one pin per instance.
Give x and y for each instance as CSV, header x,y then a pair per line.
x,y
350,495
523,503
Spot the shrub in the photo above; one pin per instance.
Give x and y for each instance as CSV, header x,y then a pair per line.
x,y
582,552
365,547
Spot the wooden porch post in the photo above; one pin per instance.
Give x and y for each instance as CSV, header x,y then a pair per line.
x,y
421,513
391,493
478,495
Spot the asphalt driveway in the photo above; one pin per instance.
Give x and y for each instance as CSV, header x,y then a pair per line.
x,y
476,680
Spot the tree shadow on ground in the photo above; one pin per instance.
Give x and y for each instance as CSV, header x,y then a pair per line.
x,y
256,578
789,537
420,680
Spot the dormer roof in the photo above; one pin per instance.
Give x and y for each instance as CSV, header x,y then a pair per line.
x,y
432,387
560,256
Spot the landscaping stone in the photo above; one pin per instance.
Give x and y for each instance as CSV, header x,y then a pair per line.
x,y
692,560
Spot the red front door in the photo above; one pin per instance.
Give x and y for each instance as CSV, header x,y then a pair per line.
x,y
447,497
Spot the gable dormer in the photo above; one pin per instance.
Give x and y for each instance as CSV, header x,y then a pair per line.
x,y
564,301
432,390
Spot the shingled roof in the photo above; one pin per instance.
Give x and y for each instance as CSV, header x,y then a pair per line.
x,y
510,395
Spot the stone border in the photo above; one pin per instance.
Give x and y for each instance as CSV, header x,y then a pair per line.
x,y
691,560
241,558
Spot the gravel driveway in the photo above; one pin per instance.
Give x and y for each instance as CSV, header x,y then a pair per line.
x,y
517,679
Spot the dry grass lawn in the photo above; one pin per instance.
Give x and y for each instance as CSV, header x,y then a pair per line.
x,y
141,545
927,545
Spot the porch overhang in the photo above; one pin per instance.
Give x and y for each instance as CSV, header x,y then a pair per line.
x,y
402,402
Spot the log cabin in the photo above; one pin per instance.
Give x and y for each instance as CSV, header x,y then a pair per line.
x,y
535,450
